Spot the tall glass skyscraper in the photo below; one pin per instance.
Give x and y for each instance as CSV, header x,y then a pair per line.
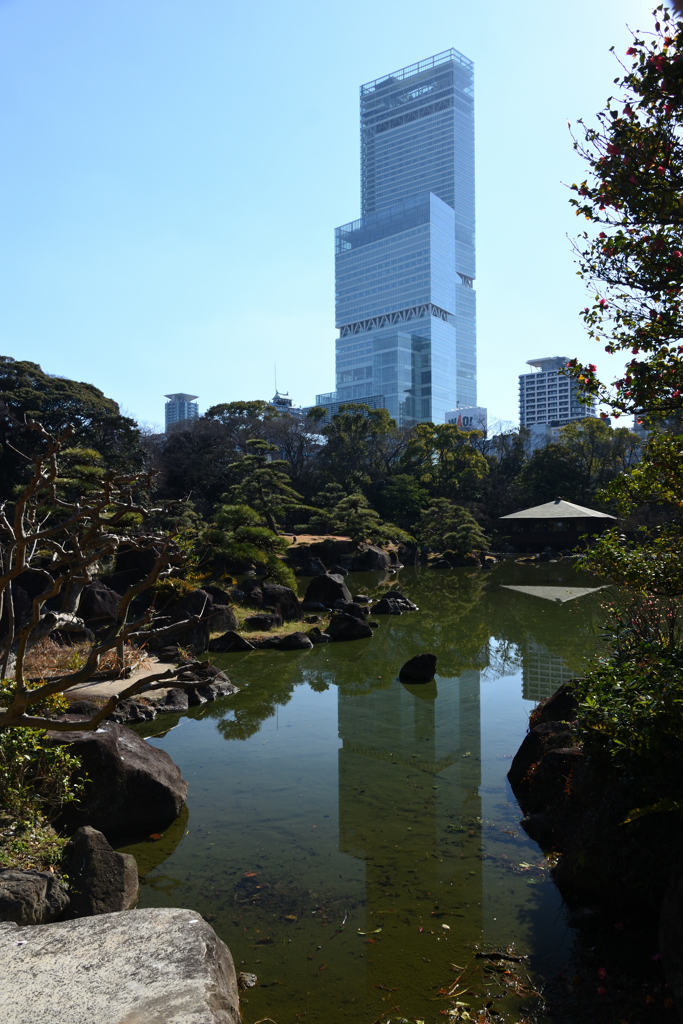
x,y
405,302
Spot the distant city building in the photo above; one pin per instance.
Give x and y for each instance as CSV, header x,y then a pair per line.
x,y
548,400
404,272
285,405
179,409
473,418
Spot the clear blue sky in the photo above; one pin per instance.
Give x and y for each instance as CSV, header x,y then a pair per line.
x,y
172,173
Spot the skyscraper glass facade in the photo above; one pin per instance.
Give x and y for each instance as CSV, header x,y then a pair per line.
x,y
405,302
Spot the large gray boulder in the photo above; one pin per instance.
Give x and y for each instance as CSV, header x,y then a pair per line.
x,y
175,702
370,558
98,602
327,590
138,967
101,881
281,600
230,641
222,617
195,636
131,785
31,897
295,642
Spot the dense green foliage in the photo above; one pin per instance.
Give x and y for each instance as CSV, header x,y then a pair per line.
x,y
633,259
631,703
235,538
296,471
26,391
447,526
631,709
35,779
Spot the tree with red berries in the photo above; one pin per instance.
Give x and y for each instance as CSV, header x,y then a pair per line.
x,y
634,197
633,261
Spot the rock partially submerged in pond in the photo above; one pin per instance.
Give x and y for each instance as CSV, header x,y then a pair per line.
x,y
230,642
295,642
419,669
347,627
370,559
156,965
350,608
326,590
537,742
131,786
31,897
290,642
393,603
130,710
316,636
101,881
174,702
562,706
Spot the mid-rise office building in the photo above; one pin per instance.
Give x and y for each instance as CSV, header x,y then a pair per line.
x,y
548,400
404,272
180,408
471,418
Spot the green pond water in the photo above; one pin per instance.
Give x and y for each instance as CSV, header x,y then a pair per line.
x,y
351,838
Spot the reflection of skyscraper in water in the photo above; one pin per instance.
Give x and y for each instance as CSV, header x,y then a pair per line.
x,y
409,772
542,672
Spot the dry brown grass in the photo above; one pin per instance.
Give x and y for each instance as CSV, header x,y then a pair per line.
x,y
48,659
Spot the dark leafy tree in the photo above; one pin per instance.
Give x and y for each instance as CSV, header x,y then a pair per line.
x,y
552,473
238,535
445,526
362,445
633,198
326,502
443,459
26,391
264,483
58,539
299,443
402,500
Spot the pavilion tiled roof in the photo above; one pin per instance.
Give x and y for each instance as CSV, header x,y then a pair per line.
x,y
559,509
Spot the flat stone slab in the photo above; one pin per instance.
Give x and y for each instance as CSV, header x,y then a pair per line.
x,y
157,966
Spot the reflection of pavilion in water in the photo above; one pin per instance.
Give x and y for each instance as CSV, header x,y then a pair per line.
x,y
409,768
542,671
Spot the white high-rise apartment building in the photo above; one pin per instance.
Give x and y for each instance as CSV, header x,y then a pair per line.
x,y
548,400
180,408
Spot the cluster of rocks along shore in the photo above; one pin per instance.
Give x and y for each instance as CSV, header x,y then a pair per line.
x,y
158,964
604,868
77,951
